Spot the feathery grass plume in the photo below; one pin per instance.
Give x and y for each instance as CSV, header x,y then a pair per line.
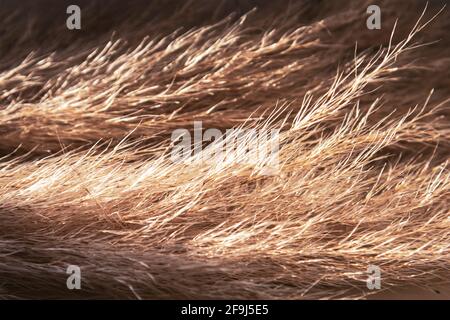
x,y
86,176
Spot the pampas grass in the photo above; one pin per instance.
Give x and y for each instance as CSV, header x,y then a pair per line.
x,y
86,177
